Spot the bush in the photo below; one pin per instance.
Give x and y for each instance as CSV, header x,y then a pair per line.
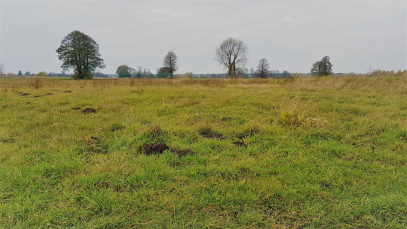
x,y
290,118
42,74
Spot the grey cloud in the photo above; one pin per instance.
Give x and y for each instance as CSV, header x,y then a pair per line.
x,y
290,34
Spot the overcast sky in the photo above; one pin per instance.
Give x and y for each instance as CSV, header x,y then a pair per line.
x,y
292,35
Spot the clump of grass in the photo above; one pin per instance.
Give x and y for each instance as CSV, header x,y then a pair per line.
x,y
95,144
252,128
132,82
402,135
315,122
97,201
116,126
36,82
154,131
208,132
291,118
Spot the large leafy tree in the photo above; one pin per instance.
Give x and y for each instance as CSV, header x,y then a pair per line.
x,y
124,71
322,68
81,53
170,62
232,54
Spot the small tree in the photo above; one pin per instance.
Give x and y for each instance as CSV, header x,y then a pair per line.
x,y
322,68
20,73
27,74
80,52
263,68
170,62
232,53
124,71
1,70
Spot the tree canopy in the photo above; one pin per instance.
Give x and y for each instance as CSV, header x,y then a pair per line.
x,y
124,71
322,68
163,72
81,53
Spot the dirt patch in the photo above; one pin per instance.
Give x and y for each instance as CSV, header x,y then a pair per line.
x,y
227,119
208,133
239,143
182,152
37,96
24,93
89,110
159,148
67,91
247,133
49,93
154,148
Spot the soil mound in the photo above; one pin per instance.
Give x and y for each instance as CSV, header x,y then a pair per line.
x,y
207,133
89,111
239,143
154,148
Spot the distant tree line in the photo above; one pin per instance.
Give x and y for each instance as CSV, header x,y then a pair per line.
x,y
80,53
124,71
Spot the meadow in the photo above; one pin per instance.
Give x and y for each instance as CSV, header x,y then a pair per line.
x,y
327,152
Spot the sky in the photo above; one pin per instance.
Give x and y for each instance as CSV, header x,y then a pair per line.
x,y
357,35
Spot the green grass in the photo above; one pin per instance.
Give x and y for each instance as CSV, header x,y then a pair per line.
x,y
321,153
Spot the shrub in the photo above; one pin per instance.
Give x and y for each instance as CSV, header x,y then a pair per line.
x,y
42,74
290,118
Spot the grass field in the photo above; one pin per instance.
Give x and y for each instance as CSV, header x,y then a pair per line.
x,y
290,153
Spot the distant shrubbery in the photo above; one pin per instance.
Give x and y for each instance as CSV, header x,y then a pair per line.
x,y
388,73
42,74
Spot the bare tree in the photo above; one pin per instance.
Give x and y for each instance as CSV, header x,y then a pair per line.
x,y
170,61
232,54
263,68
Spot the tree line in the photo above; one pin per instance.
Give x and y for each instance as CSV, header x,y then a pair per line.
x,y
80,52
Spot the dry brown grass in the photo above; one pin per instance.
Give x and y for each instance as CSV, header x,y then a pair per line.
x,y
364,84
